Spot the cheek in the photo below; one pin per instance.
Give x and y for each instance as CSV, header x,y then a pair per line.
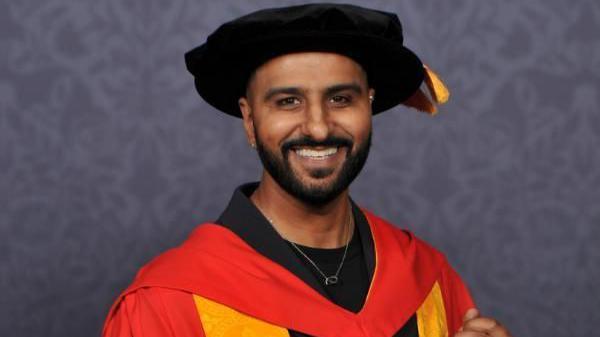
x,y
359,127
273,131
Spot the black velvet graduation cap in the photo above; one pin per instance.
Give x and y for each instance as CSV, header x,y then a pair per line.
x,y
223,65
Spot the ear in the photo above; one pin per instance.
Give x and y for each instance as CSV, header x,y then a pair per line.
x,y
247,120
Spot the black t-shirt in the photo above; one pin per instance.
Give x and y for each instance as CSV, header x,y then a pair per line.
x,y
353,280
243,218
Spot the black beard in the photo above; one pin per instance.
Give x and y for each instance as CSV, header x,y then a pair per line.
x,y
279,168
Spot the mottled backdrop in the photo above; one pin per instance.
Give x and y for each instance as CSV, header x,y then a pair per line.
x,y
108,156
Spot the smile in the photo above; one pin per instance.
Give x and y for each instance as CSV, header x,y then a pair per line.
x,y
316,154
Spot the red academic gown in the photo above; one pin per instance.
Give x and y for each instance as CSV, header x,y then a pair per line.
x,y
215,284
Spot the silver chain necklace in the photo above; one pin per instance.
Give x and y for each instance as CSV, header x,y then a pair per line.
x,y
329,280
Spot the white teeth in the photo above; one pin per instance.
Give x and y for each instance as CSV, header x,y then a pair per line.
x,y
316,154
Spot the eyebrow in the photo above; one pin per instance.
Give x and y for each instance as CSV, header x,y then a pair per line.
x,y
282,90
328,91
343,87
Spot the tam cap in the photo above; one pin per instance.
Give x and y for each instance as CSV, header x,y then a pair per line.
x,y
223,65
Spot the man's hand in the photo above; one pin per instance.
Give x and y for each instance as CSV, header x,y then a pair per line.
x,y
474,325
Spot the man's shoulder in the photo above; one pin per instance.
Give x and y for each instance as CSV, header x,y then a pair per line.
x,y
403,238
206,242
172,272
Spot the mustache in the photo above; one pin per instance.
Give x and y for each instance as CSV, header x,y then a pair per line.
x,y
307,141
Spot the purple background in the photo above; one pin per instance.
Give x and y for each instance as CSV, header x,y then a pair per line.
x,y
108,156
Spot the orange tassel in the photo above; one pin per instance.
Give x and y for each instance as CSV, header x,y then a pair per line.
x,y
438,90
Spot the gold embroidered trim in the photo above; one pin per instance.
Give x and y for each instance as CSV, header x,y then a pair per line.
x,y
219,320
431,316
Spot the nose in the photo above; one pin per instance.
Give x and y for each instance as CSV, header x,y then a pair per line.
x,y
316,122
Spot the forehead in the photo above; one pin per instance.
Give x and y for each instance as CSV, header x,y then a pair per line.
x,y
307,69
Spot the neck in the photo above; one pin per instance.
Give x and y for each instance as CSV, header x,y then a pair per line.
x,y
318,226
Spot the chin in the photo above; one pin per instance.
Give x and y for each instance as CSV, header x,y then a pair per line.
x,y
315,191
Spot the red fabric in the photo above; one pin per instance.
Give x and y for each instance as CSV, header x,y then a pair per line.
x,y
457,299
154,312
216,264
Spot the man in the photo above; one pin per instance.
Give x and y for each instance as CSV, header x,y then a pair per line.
x,y
293,255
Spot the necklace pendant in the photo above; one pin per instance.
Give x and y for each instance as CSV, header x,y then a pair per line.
x,y
331,280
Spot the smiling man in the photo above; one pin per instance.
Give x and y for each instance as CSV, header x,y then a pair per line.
x,y
293,255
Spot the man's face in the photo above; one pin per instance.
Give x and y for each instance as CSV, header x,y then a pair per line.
x,y
310,116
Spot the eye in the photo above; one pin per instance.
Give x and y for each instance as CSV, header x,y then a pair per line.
x,y
288,102
340,100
